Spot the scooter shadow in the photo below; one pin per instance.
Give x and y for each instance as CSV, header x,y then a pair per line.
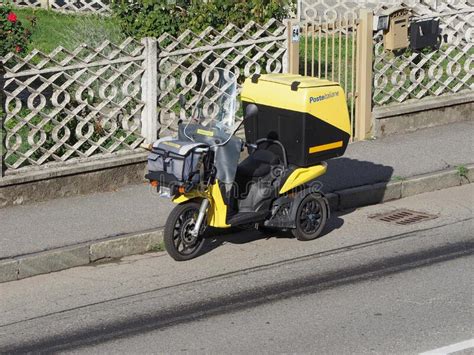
x,y
244,235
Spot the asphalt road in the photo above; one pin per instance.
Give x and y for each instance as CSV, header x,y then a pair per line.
x,y
409,304
403,289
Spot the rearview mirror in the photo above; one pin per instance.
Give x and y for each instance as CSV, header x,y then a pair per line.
x,y
251,112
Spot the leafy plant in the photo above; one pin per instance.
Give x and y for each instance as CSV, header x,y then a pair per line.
x,y
398,178
157,247
219,13
462,171
14,37
141,18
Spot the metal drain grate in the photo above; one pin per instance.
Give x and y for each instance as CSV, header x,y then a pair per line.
x,y
403,217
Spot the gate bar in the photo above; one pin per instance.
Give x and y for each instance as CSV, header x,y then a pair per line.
x,y
364,126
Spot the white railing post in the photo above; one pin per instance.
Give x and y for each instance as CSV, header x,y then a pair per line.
x,y
44,4
3,113
150,91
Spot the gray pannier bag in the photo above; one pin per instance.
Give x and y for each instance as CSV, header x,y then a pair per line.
x,y
175,160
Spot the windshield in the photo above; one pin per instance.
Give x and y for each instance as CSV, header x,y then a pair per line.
x,y
216,104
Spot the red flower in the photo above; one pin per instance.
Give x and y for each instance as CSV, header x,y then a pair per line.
x,y
18,49
12,17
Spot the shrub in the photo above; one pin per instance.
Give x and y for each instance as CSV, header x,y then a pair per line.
x,y
219,13
14,37
141,18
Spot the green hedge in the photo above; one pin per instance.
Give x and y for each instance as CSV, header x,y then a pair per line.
x,y
141,18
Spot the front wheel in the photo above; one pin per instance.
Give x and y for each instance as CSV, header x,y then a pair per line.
x,y
311,218
179,243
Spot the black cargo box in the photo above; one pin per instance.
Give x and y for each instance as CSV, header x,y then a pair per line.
x,y
308,116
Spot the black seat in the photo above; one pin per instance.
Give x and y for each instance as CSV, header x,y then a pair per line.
x,y
257,164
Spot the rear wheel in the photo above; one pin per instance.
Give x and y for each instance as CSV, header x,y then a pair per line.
x,y
180,244
311,218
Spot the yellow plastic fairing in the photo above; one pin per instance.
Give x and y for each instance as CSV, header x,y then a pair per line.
x,y
303,175
189,196
217,214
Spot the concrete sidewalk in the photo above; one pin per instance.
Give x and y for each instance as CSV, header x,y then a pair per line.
x,y
65,222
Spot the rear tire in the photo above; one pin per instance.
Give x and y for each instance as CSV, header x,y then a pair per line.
x,y
179,243
311,218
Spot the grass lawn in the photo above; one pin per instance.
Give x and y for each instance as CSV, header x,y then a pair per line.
x,y
56,29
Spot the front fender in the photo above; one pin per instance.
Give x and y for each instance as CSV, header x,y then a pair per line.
x,y
217,214
193,195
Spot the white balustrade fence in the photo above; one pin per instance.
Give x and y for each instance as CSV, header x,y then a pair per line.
x,y
72,104
101,7
183,61
331,10
67,107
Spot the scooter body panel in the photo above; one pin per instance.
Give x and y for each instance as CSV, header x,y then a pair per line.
x,y
301,176
217,213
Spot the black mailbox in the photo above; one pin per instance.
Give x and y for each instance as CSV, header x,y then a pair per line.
x,y
424,34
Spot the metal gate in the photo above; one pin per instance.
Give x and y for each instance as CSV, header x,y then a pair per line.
x,y
339,51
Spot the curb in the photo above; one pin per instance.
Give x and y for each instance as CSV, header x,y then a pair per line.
x,y
24,266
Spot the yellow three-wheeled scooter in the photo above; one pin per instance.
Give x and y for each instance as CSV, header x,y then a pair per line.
x,y
292,125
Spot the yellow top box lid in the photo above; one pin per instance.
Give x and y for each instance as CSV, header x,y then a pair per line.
x,y
288,79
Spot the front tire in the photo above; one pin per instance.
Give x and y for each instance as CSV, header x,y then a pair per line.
x,y
179,243
311,218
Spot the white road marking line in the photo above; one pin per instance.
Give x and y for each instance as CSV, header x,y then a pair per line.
x,y
451,348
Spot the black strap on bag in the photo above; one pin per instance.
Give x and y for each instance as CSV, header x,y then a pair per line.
x,y
199,166
166,163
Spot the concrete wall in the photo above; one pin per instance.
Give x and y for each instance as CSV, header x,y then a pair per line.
x,y
430,112
90,177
